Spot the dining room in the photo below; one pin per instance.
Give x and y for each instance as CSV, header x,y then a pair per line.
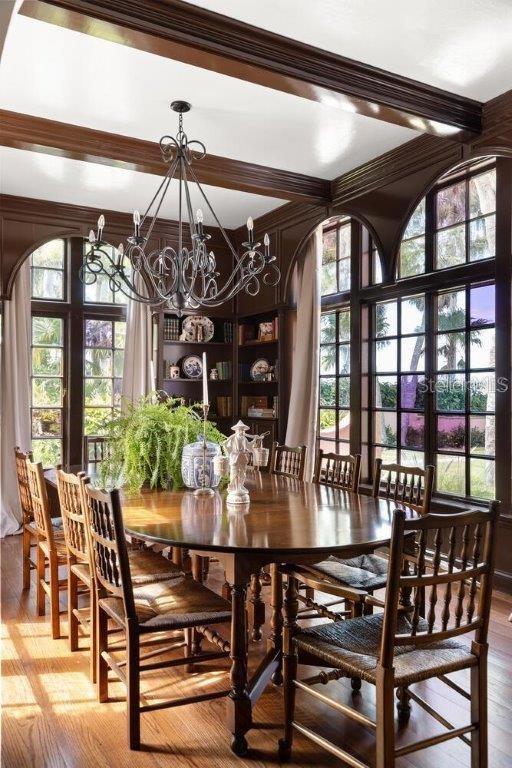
x,y
256,353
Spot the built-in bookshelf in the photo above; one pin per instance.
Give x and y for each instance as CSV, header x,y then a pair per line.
x,y
246,356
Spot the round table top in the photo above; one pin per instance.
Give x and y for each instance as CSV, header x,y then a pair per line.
x,y
284,516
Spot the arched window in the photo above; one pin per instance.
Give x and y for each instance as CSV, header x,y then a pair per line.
x,y
78,336
431,360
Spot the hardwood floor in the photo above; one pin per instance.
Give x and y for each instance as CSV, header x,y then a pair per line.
x,y
51,716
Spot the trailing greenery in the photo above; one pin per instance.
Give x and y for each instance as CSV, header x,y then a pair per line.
x,y
145,442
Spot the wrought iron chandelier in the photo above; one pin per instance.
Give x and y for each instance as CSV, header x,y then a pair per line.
x,y
184,276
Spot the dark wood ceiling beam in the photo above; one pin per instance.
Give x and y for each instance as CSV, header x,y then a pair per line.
x,y
50,137
197,36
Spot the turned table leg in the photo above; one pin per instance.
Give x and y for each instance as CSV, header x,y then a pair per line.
x,y
256,608
238,702
276,637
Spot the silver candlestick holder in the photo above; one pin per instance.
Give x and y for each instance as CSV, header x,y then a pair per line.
x,y
204,490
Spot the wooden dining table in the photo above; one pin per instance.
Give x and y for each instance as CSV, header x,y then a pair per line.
x,y
286,521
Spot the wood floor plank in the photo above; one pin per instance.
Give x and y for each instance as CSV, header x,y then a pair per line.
x,y
51,718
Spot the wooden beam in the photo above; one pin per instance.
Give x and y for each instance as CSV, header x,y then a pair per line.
x,y
200,37
50,137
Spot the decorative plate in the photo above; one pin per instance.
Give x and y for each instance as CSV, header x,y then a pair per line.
x,y
259,369
192,367
197,325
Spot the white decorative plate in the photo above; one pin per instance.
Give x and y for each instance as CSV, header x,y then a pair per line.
x,y
193,322
192,367
259,369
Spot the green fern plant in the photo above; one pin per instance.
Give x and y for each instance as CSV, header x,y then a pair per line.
x,y
145,442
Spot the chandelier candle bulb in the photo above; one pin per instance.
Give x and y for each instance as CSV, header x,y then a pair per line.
x,y
136,221
92,236
199,219
205,381
250,228
101,226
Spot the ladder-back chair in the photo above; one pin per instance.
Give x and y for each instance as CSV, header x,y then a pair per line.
x,y
29,538
288,461
94,449
337,470
51,548
399,647
141,611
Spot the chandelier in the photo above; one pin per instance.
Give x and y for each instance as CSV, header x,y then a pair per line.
x,y
185,275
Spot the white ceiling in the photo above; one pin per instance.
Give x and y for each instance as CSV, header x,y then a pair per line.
x,y
103,187
464,46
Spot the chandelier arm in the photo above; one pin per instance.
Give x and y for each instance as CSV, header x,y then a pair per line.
x,y
155,215
170,172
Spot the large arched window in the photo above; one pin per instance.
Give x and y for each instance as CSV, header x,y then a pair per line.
x,y
78,335
432,351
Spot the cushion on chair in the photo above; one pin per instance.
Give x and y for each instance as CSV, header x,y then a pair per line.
x,y
172,605
366,572
354,646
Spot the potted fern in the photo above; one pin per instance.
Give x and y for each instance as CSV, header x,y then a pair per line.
x,y
145,443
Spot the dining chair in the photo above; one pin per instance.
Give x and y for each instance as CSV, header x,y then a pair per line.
x,y
398,647
144,612
288,461
51,547
29,535
94,449
337,470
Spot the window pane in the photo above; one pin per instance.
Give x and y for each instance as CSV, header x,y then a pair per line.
x,y
344,358
47,284
344,326
344,275
481,345
412,353
482,392
47,331
98,362
344,392
46,422
344,425
377,268
482,303
451,433
98,333
413,390
386,319
412,458
450,392
482,435
47,392
47,451
327,423
482,238
328,279
327,328
94,420
482,194
451,247
413,314
329,247
384,428
482,478
385,392
50,255
46,361
451,204
451,351
328,359
118,362
386,356
388,455
328,392
416,225
344,242
451,474
120,334
412,257
451,310
413,430
98,392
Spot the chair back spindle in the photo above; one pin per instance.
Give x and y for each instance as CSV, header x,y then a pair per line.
x,y
288,461
337,470
409,485
462,568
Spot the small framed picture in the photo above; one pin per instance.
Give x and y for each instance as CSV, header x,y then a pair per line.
x,y
266,331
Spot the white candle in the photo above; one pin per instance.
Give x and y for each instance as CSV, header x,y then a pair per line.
x,y
205,381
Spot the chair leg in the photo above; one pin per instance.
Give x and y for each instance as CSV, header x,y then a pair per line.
x,y
101,645
72,605
356,610
290,674
403,706
479,738
133,686
41,575
54,596
93,638
385,735
26,558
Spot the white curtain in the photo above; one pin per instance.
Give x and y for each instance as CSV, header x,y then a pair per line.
x,y
138,374
302,413
15,396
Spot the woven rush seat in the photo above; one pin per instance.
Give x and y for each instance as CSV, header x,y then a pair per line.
x,y
146,567
174,604
366,572
354,647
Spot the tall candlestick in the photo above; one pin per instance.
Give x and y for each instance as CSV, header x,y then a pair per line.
x,y
205,381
